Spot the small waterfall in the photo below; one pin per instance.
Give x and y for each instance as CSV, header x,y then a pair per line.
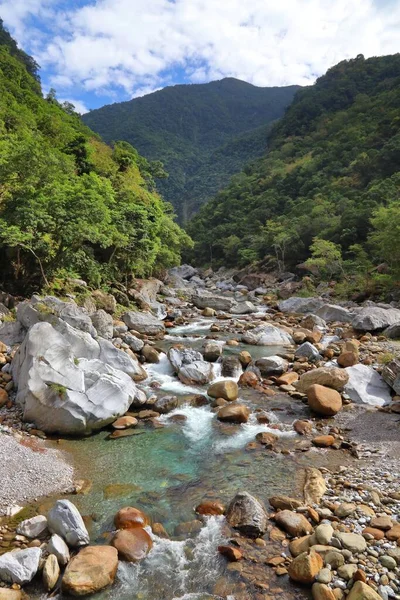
x,y
198,425
163,372
248,432
192,327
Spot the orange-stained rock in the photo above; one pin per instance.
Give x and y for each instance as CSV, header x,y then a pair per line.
x,y
132,544
360,575
267,439
91,570
378,534
226,389
320,591
305,567
287,378
231,553
300,545
302,427
294,523
210,507
323,441
385,523
130,517
323,400
248,379
159,530
125,422
348,359
3,397
393,533
362,591
234,413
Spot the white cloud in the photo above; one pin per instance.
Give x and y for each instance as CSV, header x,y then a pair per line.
x,y
131,45
80,106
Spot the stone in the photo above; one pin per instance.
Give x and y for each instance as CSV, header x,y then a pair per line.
x,y
234,413
103,323
196,373
143,322
391,375
133,342
245,358
20,566
133,545
346,572
383,522
308,351
311,321
230,553
65,520
287,378
183,271
104,301
267,335
324,533
227,389
210,507
300,545
352,541
203,299
90,571
284,502
267,439
231,367
125,422
305,567
243,308
249,379
272,366
323,441
59,548
324,401
166,404
334,559
179,357
394,532
377,534
366,386
362,591
7,594
150,354
372,318
33,527
212,350
294,523
51,572
12,333
246,514
345,509
331,377
302,427
300,305
320,591
388,562
332,312
347,359
159,530
314,487
324,576
130,518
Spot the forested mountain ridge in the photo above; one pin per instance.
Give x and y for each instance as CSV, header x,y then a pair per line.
x,y
331,172
69,204
203,133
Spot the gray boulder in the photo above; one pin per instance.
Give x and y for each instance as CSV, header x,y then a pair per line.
x,y
196,373
33,527
103,323
207,300
243,308
12,333
212,350
183,356
248,515
20,566
50,309
121,360
332,312
366,386
134,343
231,367
143,322
296,304
392,332
267,335
59,548
183,271
165,404
373,318
391,374
272,366
65,520
308,351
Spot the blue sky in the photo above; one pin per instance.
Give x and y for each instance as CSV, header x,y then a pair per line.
x,y
95,52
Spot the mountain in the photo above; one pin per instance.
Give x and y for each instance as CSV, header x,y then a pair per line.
x,y
203,133
331,173
71,206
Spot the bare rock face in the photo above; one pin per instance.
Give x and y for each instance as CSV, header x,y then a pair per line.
x,y
91,570
366,386
247,514
143,322
20,566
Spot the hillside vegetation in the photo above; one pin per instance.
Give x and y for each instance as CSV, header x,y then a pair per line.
x,y
330,182
203,133
70,204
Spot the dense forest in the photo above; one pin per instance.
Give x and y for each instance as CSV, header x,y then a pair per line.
x,y
328,190
69,204
203,133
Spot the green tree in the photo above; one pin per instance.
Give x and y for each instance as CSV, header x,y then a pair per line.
x,y
326,257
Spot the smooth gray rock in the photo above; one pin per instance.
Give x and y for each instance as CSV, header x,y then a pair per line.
x,y
391,374
243,308
392,332
332,312
12,333
272,366
308,351
296,304
212,350
196,373
50,309
231,367
65,520
373,318
207,300
183,271
247,514
267,335
20,566
103,323
185,356
134,343
121,360
166,404
143,322
59,548
33,527
366,386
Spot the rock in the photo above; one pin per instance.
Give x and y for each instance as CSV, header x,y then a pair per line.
x,y
59,548
391,374
324,401
210,507
271,366
346,572
65,520
183,271
284,502
33,527
212,350
331,377
300,545
334,558
248,515
60,393
166,404
197,373
55,311
103,323
125,422
294,523
392,332
308,351
372,318
228,390
230,553
366,386
12,333
267,439
178,357
133,545
302,427
243,308
300,305
345,509
385,523
352,541
332,312
320,591
348,359
51,572
130,518
377,534
208,312
314,487
150,354
231,367
248,379
104,301
362,591
93,569
305,567
20,566
143,322
324,533
244,358
313,321
267,335
287,378
394,532
203,299
234,413
133,342
323,441
7,594
324,576
388,562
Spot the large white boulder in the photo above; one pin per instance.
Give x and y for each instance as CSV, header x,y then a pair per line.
x,y
267,335
332,312
204,299
143,322
65,520
366,386
20,566
63,393
197,373
372,318
295,304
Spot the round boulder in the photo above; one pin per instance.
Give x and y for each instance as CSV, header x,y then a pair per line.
x,y
234,413
226,389
91,570
130,518
324,401
132,544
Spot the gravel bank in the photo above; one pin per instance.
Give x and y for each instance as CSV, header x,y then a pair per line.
x,y
27,474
